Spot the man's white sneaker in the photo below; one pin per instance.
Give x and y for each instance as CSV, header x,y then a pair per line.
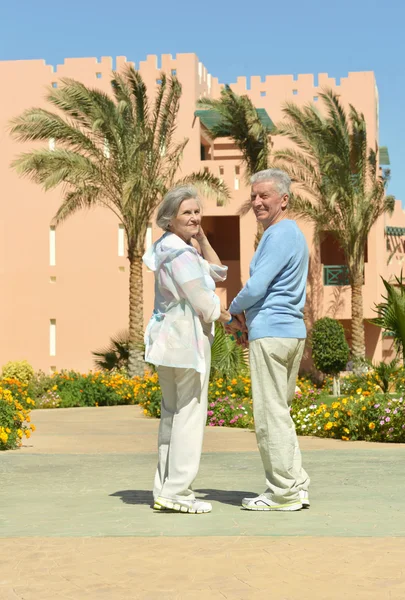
x,y
263,503
304,497
185,506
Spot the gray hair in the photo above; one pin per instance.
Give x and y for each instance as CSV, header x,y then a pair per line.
x,y
171,204
279,177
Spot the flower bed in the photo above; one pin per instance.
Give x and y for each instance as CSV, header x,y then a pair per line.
x,y
15,407
229,400
362,416
69,388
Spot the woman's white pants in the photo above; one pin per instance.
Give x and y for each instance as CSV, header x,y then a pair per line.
x,y
181,431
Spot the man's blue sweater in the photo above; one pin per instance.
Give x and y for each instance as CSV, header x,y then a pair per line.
x,y
274,296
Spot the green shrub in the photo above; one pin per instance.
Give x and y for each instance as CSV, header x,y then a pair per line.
x,y
18,369
330,351
93,389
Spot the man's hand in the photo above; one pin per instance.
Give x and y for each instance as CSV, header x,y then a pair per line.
x,y
242,340
238,324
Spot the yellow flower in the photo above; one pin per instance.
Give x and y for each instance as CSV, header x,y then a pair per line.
x,y
363,407
234,381
33,428
346,439
326,415
328,425
27,433
19,433
344,401
358,391
346,430
8,430
233,395
336,414
371,425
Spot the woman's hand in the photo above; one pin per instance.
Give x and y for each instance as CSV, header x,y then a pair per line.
x,y
200,236
225,315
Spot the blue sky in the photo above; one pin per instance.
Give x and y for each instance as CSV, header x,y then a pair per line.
x,y
231,38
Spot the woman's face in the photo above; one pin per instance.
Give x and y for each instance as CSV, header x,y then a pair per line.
x,y
187,222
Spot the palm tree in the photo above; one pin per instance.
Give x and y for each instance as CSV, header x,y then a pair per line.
x,y
118,152
240,121
339,186
391,313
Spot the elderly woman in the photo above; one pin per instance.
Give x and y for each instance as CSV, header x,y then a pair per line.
x,y
178,341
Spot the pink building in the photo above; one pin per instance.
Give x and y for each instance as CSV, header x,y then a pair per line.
x,y
65,292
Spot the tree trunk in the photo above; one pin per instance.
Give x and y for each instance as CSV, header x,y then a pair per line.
x,y
336,385
136,363
358,337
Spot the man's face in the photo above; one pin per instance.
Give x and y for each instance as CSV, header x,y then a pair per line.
x,y
267,203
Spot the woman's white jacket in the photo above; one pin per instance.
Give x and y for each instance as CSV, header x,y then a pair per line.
x,y
185,299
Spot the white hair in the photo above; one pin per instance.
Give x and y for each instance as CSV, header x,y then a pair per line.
x,y
171,203
279,177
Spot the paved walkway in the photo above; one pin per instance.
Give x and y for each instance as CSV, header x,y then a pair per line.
x,y
75,520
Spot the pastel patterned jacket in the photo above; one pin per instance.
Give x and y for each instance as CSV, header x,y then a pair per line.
x,y
185,304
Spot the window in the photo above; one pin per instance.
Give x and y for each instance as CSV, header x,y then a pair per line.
x,y
262,93
206,169
52,337
52,368
174,72
106,149
54,84
159,81
98,75
52,279
52,247
51,144
315,98
236,183
237,170
121,240
295,92
221,170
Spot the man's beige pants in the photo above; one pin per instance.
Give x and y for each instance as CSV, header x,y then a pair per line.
x,y
181,430
274,365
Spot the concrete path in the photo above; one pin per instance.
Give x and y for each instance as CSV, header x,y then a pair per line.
x,y
76,523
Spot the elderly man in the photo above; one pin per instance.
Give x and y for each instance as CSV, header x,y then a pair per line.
x,y
273,300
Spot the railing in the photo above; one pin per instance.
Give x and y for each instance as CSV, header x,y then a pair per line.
x,y
335,275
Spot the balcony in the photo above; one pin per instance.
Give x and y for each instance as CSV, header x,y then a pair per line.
x,y
335,275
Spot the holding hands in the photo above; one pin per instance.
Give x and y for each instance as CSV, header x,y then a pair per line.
x,y
238,329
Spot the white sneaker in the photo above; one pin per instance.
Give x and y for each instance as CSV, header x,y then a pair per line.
x,y
263,503
304,497
185,506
